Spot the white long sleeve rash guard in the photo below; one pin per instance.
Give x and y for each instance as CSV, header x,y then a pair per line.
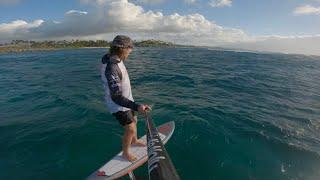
x,y
116,83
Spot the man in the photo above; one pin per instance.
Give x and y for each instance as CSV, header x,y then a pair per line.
x,y
118,95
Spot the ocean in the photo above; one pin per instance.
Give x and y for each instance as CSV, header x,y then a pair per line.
x,y
238,115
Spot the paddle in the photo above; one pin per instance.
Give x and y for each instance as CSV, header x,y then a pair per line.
x,y
160,166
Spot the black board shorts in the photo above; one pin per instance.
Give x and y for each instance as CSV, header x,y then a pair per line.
x,y
125,117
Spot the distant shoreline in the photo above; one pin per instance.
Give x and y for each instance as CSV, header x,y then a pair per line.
x,y
20,46
20,50
17,46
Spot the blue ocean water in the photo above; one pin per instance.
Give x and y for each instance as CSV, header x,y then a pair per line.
x,y
238,115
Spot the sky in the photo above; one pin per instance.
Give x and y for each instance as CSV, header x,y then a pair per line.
x,y
287,26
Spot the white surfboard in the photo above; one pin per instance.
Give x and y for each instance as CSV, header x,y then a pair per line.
x,y
119,166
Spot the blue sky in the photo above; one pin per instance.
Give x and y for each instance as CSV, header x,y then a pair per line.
x,y
229,21
261,17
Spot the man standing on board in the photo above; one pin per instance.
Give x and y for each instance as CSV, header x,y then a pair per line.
x,y
118,95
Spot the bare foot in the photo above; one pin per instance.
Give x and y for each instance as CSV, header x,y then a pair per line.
x,y
139,143
130,157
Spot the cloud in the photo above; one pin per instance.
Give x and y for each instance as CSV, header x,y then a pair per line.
x,y
9,2
190,1
18,29
307,9
285,44
123,16
150,1
76,12
220,3
111,17
98,2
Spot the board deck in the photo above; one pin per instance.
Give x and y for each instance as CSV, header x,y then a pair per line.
x,y
119,166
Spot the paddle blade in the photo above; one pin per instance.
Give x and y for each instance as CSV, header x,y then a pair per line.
x,y
160,166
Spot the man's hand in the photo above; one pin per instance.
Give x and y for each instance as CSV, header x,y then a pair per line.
x,y
143,107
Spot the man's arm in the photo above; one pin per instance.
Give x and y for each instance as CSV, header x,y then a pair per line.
x,y
113,75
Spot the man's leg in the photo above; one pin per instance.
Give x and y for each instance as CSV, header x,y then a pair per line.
x,y
135,139
129,132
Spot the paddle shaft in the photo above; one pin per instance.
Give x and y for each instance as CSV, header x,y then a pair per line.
x,y
160,166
